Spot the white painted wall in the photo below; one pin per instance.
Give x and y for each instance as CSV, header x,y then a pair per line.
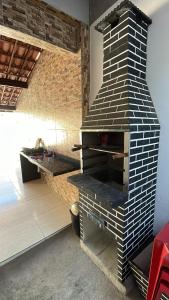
x,y
78,9
158,82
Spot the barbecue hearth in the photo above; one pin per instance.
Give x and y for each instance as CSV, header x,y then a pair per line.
x,y
120,141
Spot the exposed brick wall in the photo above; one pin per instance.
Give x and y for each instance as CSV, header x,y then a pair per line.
x,y
42,21
60,185
52,108
85,65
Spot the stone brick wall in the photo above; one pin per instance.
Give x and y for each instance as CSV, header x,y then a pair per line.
x,y
52,108
64,190
42,21
37,23
85,66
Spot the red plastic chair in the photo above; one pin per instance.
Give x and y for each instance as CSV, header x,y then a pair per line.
x,y
164,278
159,261
163,289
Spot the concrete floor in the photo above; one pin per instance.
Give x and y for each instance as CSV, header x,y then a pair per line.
x,y
57,269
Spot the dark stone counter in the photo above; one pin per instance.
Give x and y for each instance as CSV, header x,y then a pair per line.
x,y
53,166
101,192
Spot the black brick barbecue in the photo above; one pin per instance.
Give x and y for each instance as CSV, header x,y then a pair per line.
x,y
120,140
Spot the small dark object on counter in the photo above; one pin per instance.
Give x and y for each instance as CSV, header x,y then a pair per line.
x,y
27,150
50,154
33,151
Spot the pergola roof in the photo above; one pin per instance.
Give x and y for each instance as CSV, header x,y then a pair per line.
x,y
17,61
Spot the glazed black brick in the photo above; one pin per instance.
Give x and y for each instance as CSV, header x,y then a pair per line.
x,y
134,42
137,135
111,69
106,37
119,72
152,177
107,30
136,150
135,193
140,67
155,127
146,174
143,142
133,158
126,62
133,71
142,156
117,232
106,77
143,128
154,140
131,49
148,161
142,39
149,134
119,58
141,182
112,40
115,52
135,165
116,45
133,144
141,170
120,26
141,53
134,179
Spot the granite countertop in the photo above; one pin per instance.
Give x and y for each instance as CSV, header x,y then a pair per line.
x,y
54,165
107,195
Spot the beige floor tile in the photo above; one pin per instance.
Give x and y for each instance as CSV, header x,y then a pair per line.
x,y
14,216
40,196
54,220
33,191
38,208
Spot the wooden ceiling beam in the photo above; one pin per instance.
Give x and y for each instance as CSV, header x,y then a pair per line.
x,y
2,94
14,67
11,58
11,96
24,62
17,57
15,83
15,70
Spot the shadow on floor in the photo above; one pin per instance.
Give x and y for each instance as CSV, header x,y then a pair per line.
x,y
57,269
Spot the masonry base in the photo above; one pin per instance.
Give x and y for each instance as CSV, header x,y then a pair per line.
x,y
124,288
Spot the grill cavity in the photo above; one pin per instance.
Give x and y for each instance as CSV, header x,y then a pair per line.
x,y
124,110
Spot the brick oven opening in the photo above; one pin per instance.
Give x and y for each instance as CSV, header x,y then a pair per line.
x,y
104,159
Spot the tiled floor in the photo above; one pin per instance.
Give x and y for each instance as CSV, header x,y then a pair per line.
x,y
29,213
